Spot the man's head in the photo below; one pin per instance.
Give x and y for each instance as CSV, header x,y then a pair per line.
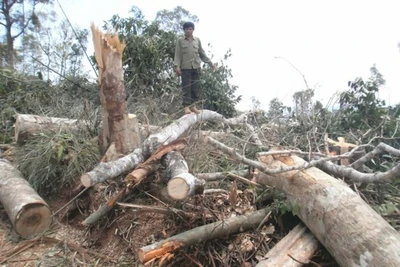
x,y
188,27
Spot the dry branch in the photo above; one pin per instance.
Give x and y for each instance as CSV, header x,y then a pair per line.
x,y
156,209
200,234
104,209
379,149
242,120
356,176
28,212
333,169
294,250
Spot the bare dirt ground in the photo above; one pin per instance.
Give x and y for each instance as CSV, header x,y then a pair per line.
x,y
114,240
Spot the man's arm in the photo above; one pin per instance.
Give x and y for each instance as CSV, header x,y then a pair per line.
x,y
178,58
204,57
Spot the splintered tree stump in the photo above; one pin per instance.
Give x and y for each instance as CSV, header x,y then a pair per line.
x,y
116,127
182,183
28,212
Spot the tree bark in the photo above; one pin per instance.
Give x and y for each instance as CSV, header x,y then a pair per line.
x,y
294,250
28,212
203,233
182,183
353,233
108,53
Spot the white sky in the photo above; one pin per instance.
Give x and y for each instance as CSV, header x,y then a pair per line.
x,y
330,42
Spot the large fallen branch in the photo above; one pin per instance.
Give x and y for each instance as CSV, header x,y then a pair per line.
x,y
200,234
108,170
356,176
28,212
333,212
379,149
294,250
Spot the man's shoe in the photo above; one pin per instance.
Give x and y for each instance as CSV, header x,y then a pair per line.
x,y
195,110
186,110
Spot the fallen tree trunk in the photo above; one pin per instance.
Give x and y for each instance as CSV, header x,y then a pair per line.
x,y
182,183
294,250
28,212
347,226
108,170
203,233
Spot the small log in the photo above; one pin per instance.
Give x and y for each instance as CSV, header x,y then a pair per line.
x,y
294,250
28,212
182,183
203,233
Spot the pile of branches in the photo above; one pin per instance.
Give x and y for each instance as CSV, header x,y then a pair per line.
x,y
224,182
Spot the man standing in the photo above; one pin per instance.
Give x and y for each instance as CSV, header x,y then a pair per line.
x,y
188,56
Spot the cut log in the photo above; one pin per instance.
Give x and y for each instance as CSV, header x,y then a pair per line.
x,y
203,233
352,232
294,250
26,125
182,183
28,212
115,128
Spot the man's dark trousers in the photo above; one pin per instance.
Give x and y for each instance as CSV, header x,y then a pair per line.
x,y
190,86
